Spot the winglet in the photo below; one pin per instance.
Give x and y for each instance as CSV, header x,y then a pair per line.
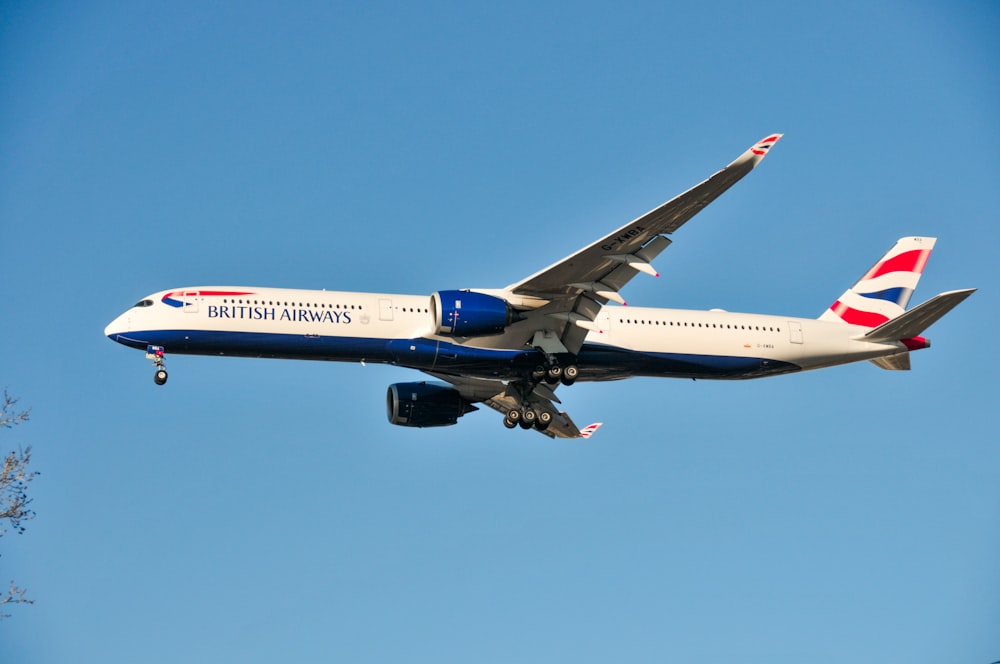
x,y
588,431
757,152
760,149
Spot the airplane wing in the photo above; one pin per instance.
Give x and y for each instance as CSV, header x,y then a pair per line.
x,y
499,396
570,293
561,304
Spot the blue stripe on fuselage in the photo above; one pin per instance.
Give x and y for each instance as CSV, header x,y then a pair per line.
x,y
595,361
600,362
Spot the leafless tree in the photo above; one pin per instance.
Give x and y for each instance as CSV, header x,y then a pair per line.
x,y
14,480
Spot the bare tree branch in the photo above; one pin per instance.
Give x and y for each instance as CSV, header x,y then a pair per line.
x,y
14,595
14,480
8,416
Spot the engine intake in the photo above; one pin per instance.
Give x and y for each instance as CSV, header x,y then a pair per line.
x,y
425,405
460,313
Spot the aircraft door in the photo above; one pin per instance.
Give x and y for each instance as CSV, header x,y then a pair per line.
x,y
385,309
189,301
795,332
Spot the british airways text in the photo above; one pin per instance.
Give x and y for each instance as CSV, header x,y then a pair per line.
x,y
272,313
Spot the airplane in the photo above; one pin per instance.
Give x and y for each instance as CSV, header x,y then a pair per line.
x,y
511,348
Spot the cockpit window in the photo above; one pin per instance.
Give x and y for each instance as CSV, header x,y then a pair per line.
x,y
144,303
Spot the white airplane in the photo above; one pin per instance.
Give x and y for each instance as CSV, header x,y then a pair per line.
x,y
510,348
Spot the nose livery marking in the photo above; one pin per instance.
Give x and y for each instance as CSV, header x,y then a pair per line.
x,y
168,299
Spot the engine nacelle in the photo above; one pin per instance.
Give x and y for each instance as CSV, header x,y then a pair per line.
x,y
425,405
460,313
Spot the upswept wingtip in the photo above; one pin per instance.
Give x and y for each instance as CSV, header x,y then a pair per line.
x,y
761,147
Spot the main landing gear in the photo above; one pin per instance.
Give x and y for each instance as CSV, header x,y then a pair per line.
x,y
527,414
558,368
155,353
527,417
555,365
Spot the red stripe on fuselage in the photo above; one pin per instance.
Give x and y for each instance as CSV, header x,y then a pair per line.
x,y
219,292
208,292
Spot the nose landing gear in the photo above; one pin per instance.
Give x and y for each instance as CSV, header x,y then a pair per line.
x,y
155,353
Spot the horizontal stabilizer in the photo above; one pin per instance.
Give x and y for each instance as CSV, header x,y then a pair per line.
x,y
898,362
919,318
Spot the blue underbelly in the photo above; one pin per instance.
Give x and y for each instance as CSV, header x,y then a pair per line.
x,y
596,362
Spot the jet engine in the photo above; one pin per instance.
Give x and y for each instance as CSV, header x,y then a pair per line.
x,y
462,313
425,405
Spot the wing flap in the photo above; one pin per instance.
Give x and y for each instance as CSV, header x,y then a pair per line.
x,y
497,395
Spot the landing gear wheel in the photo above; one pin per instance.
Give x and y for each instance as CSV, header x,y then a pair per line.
x,y
570,374
509,423
529,416
513,415
544,420
525,425
553,375
538,373
155,353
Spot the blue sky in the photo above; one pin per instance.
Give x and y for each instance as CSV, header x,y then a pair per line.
x,y
260,511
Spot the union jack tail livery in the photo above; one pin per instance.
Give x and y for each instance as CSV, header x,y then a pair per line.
x,y
884,291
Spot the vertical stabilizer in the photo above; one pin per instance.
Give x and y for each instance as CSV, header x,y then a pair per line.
x,y
884,291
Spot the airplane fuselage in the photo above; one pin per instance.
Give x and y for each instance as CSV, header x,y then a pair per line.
x,y
400,330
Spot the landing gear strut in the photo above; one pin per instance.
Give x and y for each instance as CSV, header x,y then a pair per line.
x,y
155,353
555,364
559,364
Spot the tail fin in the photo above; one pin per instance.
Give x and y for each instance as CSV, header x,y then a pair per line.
x,y
884,291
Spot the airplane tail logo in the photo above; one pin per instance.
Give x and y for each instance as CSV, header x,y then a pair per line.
x,y
760,149
588,431
884,291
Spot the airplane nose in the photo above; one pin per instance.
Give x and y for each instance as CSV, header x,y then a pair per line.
x,y
116,327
